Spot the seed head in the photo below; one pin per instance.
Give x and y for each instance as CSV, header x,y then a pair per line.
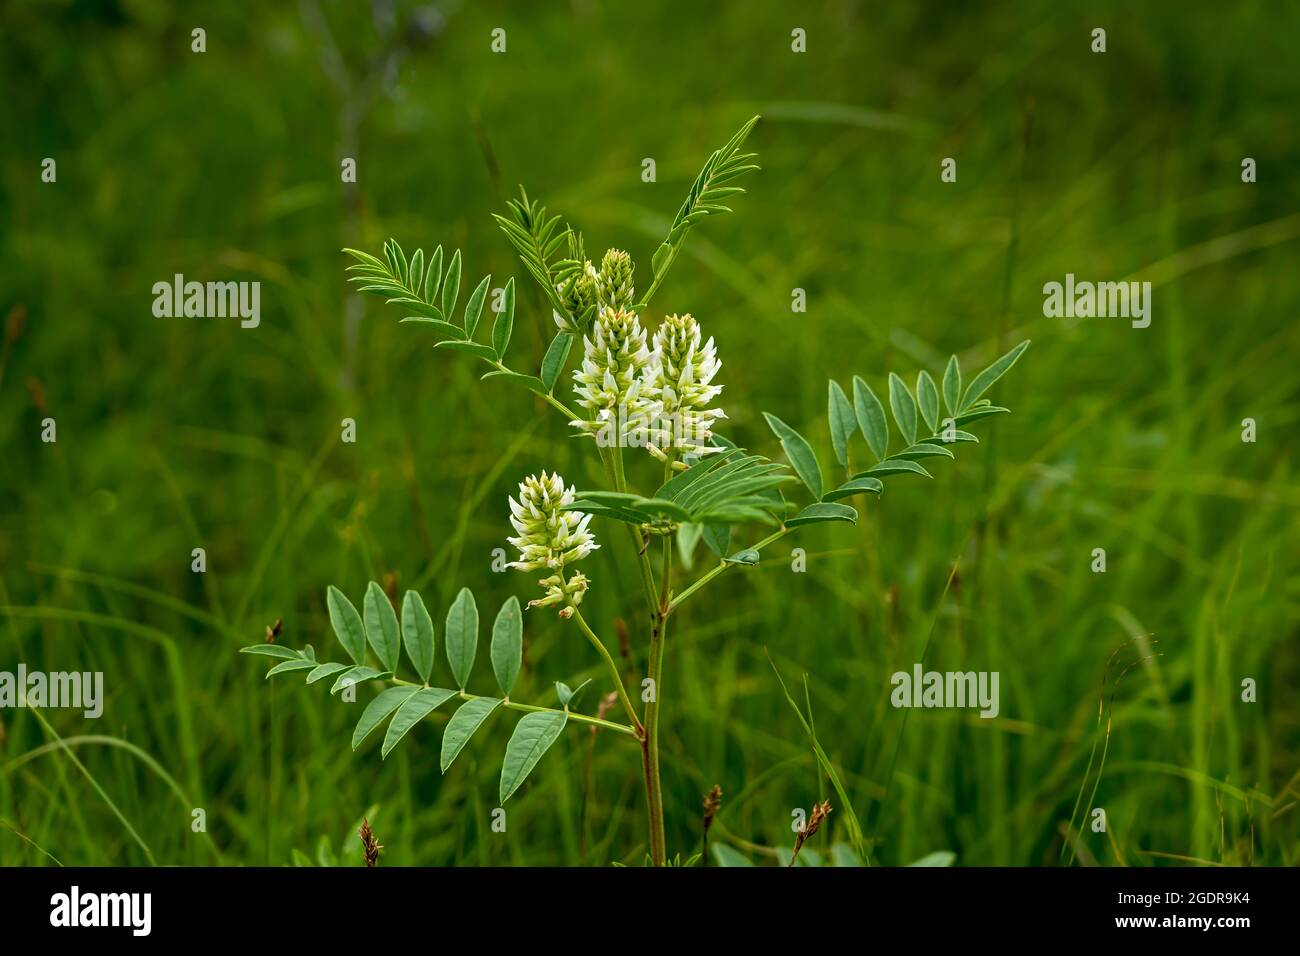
x,y
712,804
369,843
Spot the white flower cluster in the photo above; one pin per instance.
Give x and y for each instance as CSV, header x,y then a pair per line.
x,y
547,536
680,383
636,395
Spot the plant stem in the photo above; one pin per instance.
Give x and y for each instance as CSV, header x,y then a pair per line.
x,y
619,478
611,667
650,743
551,400
722,566
573,715
534,709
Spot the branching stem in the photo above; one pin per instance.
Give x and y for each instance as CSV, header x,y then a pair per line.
x,y
721,566
610,666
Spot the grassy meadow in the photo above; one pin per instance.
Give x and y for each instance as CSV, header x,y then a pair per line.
x,y
175,433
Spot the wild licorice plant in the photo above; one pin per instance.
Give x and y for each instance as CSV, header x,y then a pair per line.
x,y
649,393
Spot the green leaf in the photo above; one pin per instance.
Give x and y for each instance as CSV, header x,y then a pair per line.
x,y
462,726
530,382
842,422
272,650
396,260
357,675
843,855
799,452
325,670
347,624
507,644
505,322
871,418
533,736
946,437
978,412
927,397
923,449
439,325
855,486
952,386
474,307
365,258
461,636
569,697
724,855
895,466
414,710
904,408
556,355
422,310
417,269
285,667
688,536
985,379
451,288
717,537
417,634
938,858
823,511
660,258
433,275
381,627
473,348
379,708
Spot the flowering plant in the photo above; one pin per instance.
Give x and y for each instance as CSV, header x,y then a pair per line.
x,y
648,391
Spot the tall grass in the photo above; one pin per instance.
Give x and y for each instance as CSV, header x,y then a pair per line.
x,y
175,434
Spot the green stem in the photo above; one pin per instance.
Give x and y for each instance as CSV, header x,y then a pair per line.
x,y
573,715
722,566
619,480
551,400
659,278
650,743
611,667
533,709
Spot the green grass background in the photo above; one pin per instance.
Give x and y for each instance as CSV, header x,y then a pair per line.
x,y
183,433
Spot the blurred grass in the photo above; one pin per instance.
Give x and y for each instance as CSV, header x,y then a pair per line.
x,y
175,434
